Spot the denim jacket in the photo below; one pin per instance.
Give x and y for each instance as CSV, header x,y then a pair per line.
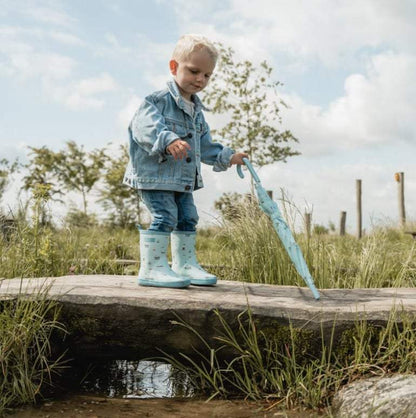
x,y
160,120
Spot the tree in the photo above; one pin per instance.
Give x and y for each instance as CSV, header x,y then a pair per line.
x,y
41,170
79,170
229,205
250,97
79,219
41,181
71,169
6,170
320,229
119,200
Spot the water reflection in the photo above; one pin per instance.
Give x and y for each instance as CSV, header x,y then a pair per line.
x,y
136,380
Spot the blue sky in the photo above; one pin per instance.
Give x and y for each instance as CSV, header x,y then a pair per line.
x,y
78,69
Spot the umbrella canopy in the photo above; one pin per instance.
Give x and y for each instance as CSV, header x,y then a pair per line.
x,y
270,208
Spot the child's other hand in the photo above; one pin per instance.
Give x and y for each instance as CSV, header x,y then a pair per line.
x,y
238,158
178,149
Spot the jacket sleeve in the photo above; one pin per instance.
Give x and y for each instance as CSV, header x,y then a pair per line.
x,y
214,153
149,130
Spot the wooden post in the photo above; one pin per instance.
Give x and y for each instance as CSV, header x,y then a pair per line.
x,y
359,209
342,223
308,224
402,213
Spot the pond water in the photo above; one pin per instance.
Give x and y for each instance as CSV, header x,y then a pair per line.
x,y
133,380
123,388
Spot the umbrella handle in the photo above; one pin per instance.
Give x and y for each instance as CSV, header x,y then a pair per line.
x,y
250,168
240,171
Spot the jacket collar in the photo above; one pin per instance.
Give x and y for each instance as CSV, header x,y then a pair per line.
x,y
174,91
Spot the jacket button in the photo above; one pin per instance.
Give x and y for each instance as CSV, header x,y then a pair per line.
x,y
188,159
187,187
190,135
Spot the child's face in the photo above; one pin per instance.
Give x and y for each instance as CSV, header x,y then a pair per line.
x,y
192,75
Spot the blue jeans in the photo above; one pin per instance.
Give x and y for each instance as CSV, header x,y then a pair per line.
x,y
170,210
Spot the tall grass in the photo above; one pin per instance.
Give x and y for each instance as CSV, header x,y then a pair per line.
x,y
244,248
27,359
250,250
34,247
51,252
283,366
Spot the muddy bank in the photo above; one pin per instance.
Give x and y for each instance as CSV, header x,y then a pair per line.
x,y
101,407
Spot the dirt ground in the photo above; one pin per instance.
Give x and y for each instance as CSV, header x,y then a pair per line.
x,y
101,407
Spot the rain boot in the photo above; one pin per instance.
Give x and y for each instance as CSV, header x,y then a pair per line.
x,y
184,260
154,267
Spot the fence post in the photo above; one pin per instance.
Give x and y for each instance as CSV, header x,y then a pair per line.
x,y
308,224
359,208
342,223
402,213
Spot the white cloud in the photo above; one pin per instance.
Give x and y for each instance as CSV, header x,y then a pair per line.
x,y
45,12
332,33
83,94
42,65
112,48
148,58
127,112
15,35
326,29
65,38
153,58
377,107
51,13
24,59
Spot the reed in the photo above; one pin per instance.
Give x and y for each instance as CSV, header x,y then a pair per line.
x,y
27,359
51,252
286,366
249,250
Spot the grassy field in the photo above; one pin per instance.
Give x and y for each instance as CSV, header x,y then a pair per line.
x,y
245,249
251,250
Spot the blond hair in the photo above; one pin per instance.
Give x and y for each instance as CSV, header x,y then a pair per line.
x,y
187,44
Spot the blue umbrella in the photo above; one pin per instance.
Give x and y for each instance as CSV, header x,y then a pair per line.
x,y
270,208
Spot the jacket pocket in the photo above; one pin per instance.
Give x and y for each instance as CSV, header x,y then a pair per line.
x,y
176,126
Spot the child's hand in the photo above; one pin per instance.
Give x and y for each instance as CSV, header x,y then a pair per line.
x,y
238,158
178,149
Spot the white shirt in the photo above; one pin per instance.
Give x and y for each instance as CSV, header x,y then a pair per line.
x,y
189,107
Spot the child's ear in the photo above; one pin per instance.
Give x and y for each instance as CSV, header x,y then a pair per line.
x,y
173,65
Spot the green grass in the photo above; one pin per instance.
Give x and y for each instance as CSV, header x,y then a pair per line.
x,y
292,367
27,360
246,249
51,252
249,249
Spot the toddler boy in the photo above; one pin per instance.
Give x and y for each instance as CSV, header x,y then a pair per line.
x,y
169,138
